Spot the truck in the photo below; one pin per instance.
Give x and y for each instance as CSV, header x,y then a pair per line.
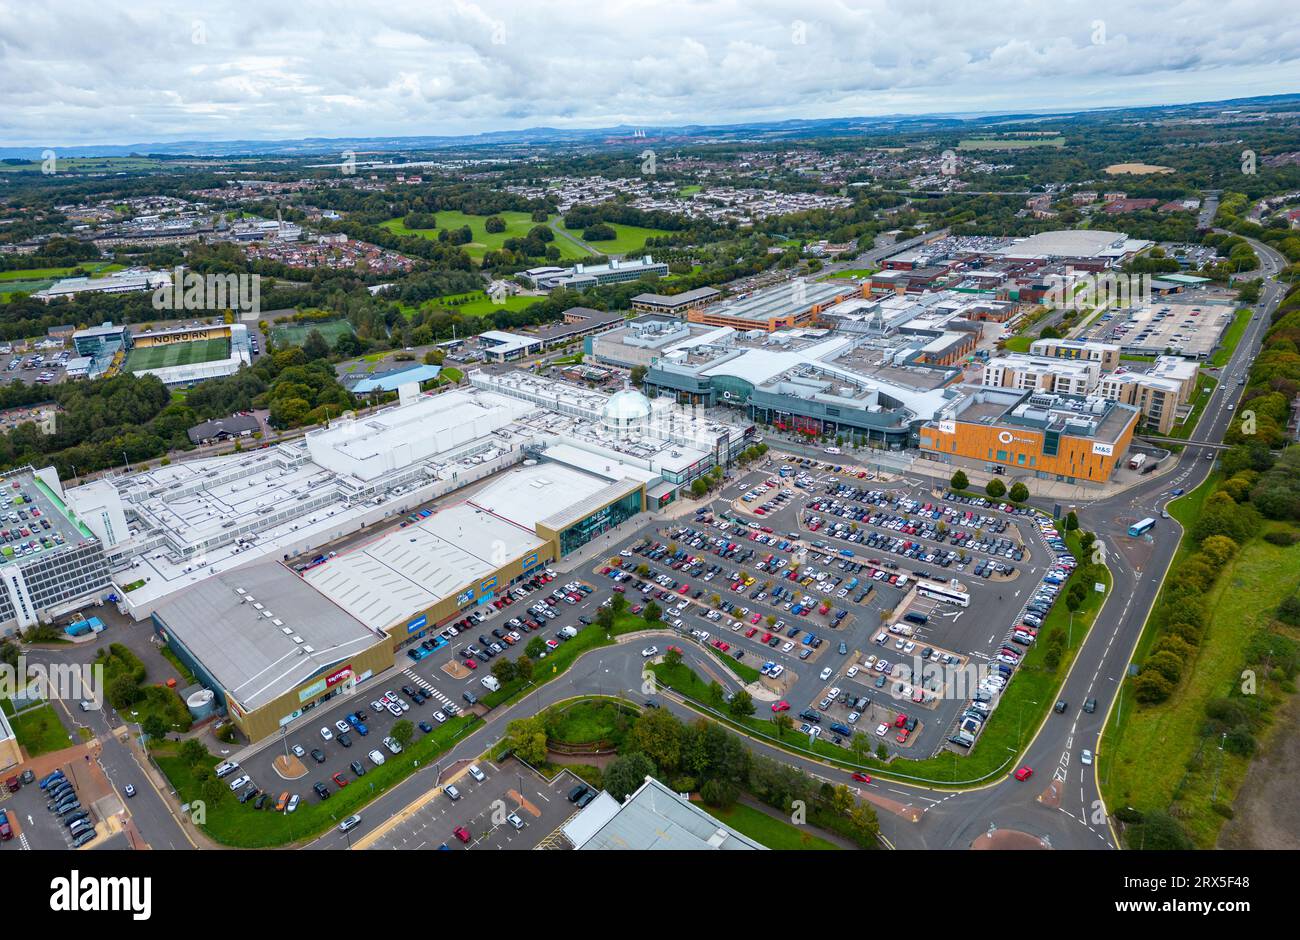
x,y
568,632
1136,461
490,683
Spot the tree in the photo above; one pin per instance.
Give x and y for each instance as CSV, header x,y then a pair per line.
x,y
524,669
527,738
535,648
1019,492
995,488
123,692
626,774
658,734
494,225
783,723
959,481
652,613
504,670
192,751
618,603
742,705
719,793
154,726
402,732
672,657
1071,521
605,619
315,346
637,376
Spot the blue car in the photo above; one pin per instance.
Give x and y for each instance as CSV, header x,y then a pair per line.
x,y
361,729
47,782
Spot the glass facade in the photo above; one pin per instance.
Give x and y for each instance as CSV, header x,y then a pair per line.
x,y
600,522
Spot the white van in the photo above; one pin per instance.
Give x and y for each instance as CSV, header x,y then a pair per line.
x,y
490,683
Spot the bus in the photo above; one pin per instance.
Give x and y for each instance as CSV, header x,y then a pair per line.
x,y
944,593
1140,528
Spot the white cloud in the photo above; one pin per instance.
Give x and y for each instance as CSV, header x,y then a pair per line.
x,y
125,71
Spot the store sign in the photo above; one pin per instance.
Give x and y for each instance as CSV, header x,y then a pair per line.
x,y
529,561
342,675
1103,450
947,427
1006,437
464,597
321,685
487,585
417,624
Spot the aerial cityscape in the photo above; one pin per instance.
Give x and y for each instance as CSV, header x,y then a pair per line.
x,y
774,442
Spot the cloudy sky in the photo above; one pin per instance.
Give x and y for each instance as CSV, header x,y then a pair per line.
x,y
130,71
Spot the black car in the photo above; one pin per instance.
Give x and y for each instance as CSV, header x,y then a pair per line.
x,y
358,768
75,818
1090,705
261,801
321,790
318,755
577,793
1060,707
469,697
425,727
250,791
343,738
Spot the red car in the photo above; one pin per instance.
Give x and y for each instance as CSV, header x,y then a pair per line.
x,y
461,833
766,637
900,721
471,664
862,778
780,706
902,736
1024,773
340,780
750,632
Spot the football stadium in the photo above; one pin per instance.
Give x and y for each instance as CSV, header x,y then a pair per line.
x,y
188,355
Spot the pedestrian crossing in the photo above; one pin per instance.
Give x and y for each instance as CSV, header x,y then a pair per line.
x,y
427,687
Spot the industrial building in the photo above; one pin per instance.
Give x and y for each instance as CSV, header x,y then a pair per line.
x,y
268,645
653,817
581,276
782,306
676,305
50,561
134,281
1105,355
1051,437
168,528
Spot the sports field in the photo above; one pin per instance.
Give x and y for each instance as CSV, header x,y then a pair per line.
x,y
295,334
176,354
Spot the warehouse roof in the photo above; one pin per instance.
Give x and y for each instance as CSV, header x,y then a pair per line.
x,y
262,631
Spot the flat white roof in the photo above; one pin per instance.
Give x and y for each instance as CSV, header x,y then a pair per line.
x,y
390,579
527,495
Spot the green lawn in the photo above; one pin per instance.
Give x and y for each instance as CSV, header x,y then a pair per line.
x,y
689,190
1150,756
242,826
518,225
1010,143
853,272
1200,398
476,304
40,731
1018,343
1231,337
767,830
589,721
630,240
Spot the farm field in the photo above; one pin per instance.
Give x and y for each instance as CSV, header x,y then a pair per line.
x,y
1009,143
517,226
34,279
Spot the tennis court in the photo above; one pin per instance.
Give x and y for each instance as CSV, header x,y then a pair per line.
x,y
142,358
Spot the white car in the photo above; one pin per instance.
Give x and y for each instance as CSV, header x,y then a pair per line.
x,y
377,757
853,671
394,710
297,750
392,745
786,647
343,727
240,781
1086,756
476,773
882,730
826,673
326,734
650,651
834,692
378,706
